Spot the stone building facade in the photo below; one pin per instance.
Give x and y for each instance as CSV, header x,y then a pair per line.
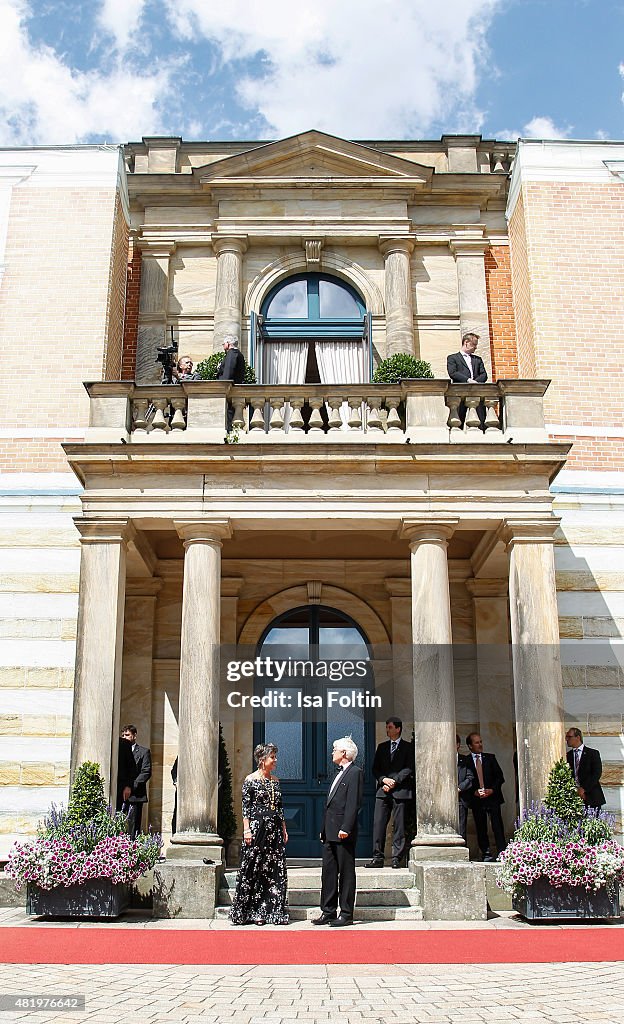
x,y
480,579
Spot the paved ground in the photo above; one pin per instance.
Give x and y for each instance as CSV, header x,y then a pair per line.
x,y
343,994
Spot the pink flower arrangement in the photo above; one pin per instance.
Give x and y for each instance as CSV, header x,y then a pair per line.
x,y
51,862
567,863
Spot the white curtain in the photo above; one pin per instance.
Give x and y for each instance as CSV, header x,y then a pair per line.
x,y
283,362
341,362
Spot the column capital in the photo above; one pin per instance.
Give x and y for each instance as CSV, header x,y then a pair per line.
x,y
104,531
396,243
529,531
203,531
229,243
487,588
433,531
468,246
231,586
156,247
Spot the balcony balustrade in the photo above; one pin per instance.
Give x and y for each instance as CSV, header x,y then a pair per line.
x,y
415,411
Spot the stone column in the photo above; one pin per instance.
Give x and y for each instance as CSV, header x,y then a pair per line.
x,y
236,735
538,686
495,681
398,285
199,691
400,589
469,248
153,304
437,813
228,289
97,684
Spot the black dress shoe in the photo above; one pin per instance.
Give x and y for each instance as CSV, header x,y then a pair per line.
x,y
324,919
396,863
340,922
376,862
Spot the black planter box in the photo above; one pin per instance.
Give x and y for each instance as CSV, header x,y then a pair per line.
x,y
543,901
98,897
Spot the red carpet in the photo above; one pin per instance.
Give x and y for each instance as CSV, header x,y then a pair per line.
x,y
50,945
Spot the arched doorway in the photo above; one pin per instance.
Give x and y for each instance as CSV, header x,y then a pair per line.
x,y
326,699
314,330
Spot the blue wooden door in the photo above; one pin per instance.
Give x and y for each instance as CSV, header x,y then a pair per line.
x,y
318,636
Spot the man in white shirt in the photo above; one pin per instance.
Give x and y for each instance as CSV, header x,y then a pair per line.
x,y
464,367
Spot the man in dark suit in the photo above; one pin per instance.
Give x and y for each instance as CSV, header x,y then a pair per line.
x,y
486,796
339,835
232,368
138,786
465,783
464,367
393,768
586,765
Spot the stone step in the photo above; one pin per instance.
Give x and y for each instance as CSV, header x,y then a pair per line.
x,y
365,897
368,878
364,914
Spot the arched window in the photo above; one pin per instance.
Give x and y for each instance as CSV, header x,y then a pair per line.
x,y
313,331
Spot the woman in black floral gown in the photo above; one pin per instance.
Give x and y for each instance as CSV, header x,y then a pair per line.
x,y
261,894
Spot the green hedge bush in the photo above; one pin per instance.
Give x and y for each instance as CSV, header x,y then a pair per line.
x,y
401,367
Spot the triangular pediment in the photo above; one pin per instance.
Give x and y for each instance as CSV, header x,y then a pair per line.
x,y
314,158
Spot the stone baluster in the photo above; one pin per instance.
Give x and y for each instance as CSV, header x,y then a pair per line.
x,y
97,685
178,419
296,418
316,420
139,415
373,417
398,287
276,421
161,407
538,686
434,691
335,404
228,287
238,421
393,422
197,835
472,423
453,402
257,419
492,422
355,415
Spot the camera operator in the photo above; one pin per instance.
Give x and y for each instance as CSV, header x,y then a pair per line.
x,y
183,371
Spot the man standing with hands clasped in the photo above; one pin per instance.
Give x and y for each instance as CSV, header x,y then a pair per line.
x,y
338,836
586,765
487,796
393,768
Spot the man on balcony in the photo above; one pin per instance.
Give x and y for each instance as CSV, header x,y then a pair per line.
x,y
464,367
232,368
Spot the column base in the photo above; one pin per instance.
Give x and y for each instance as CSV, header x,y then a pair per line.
x,y
196,846
447,847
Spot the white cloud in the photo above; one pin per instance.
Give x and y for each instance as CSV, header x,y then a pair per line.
x,y
121,18
544,128
536,128
357,68
44,100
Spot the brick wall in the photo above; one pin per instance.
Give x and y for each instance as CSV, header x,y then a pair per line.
x,y
116,296
568,264
35,454
500,308
131,319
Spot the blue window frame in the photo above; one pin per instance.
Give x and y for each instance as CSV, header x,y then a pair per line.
x,y
312,306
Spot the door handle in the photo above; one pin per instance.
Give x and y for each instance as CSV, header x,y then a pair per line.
x,y
320,778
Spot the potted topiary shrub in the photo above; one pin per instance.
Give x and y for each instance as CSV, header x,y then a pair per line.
x,y
402,366
207,369
226,819
82,860
563,861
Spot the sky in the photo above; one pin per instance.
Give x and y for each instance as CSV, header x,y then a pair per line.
x,y
116,70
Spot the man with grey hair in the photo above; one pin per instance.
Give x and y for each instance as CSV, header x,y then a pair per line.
x,y
339,836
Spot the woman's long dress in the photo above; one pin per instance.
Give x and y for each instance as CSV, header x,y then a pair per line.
x,y
261,887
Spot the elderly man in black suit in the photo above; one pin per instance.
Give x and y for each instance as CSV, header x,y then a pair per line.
x,y
465,783
464,367
486,796
138,785
232,368
339,835
586,765
393,768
